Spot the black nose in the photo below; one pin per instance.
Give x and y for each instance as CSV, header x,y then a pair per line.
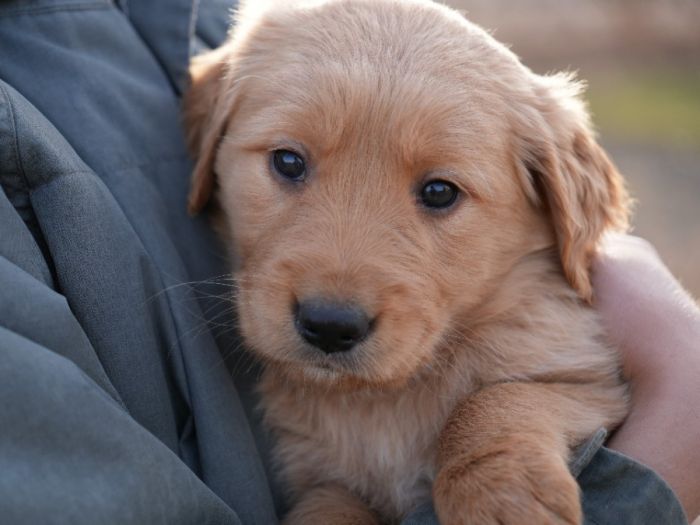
x,y
332,327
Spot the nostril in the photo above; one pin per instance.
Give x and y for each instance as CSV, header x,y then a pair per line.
x,y
309,332
332,327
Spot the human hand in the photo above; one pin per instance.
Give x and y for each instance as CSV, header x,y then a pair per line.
x,y
656,326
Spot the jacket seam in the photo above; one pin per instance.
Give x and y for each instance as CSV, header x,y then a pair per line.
x,y
19,167
39,10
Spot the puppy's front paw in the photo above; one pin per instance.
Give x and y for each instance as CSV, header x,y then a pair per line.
x,y
330,504
507,484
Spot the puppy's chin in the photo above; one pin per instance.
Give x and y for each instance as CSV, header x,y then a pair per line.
x,y
337,380
344,373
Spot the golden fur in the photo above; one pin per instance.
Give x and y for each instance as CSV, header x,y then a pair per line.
x,y
486,364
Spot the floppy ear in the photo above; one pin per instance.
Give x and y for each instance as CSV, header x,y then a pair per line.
x,y
569,175
207,107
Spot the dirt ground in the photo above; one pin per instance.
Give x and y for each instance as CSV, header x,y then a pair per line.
x,y
642,63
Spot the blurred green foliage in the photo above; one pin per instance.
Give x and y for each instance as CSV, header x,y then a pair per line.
x,y
651,105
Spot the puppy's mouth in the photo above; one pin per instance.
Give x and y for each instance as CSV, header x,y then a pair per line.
x,y
333,364
323,369
361,368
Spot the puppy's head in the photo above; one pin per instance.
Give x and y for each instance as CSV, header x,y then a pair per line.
x,y
381,166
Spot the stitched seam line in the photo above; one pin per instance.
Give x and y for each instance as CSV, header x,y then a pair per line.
x,y
38,10
192,31
15,136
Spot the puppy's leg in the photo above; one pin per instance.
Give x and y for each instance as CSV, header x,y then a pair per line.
x,y
502,458
330,504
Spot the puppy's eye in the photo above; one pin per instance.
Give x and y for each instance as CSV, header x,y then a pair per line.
x,y
439,194
289,164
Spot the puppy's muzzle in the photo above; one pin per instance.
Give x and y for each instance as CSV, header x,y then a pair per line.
x,y
331,327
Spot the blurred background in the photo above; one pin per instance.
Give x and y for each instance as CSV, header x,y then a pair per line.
x,y
641,60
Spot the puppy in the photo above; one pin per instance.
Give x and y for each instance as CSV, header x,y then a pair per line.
x,y
412,213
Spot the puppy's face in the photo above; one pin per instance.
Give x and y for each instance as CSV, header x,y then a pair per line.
x,y
376,166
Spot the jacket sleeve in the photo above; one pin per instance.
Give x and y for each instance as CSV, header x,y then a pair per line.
x,y
69,450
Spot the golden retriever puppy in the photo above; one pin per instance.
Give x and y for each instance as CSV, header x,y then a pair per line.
x,y
411,214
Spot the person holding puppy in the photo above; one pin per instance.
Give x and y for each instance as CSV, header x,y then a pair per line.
x,y
117,408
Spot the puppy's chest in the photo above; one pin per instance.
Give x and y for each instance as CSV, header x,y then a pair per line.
x,y
381,449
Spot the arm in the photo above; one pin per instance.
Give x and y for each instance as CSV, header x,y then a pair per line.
x,y
656,325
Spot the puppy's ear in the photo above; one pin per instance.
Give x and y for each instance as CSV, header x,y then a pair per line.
x,y
207,107
569,175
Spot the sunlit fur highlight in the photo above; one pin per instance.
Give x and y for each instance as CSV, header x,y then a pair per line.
x,y
486,364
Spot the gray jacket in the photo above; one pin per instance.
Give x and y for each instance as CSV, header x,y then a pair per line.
x,y
116,404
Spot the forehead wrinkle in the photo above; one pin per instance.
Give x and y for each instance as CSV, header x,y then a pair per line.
x,y
328,109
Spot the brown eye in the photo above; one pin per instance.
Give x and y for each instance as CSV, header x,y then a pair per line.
x,y
439,194
289,164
